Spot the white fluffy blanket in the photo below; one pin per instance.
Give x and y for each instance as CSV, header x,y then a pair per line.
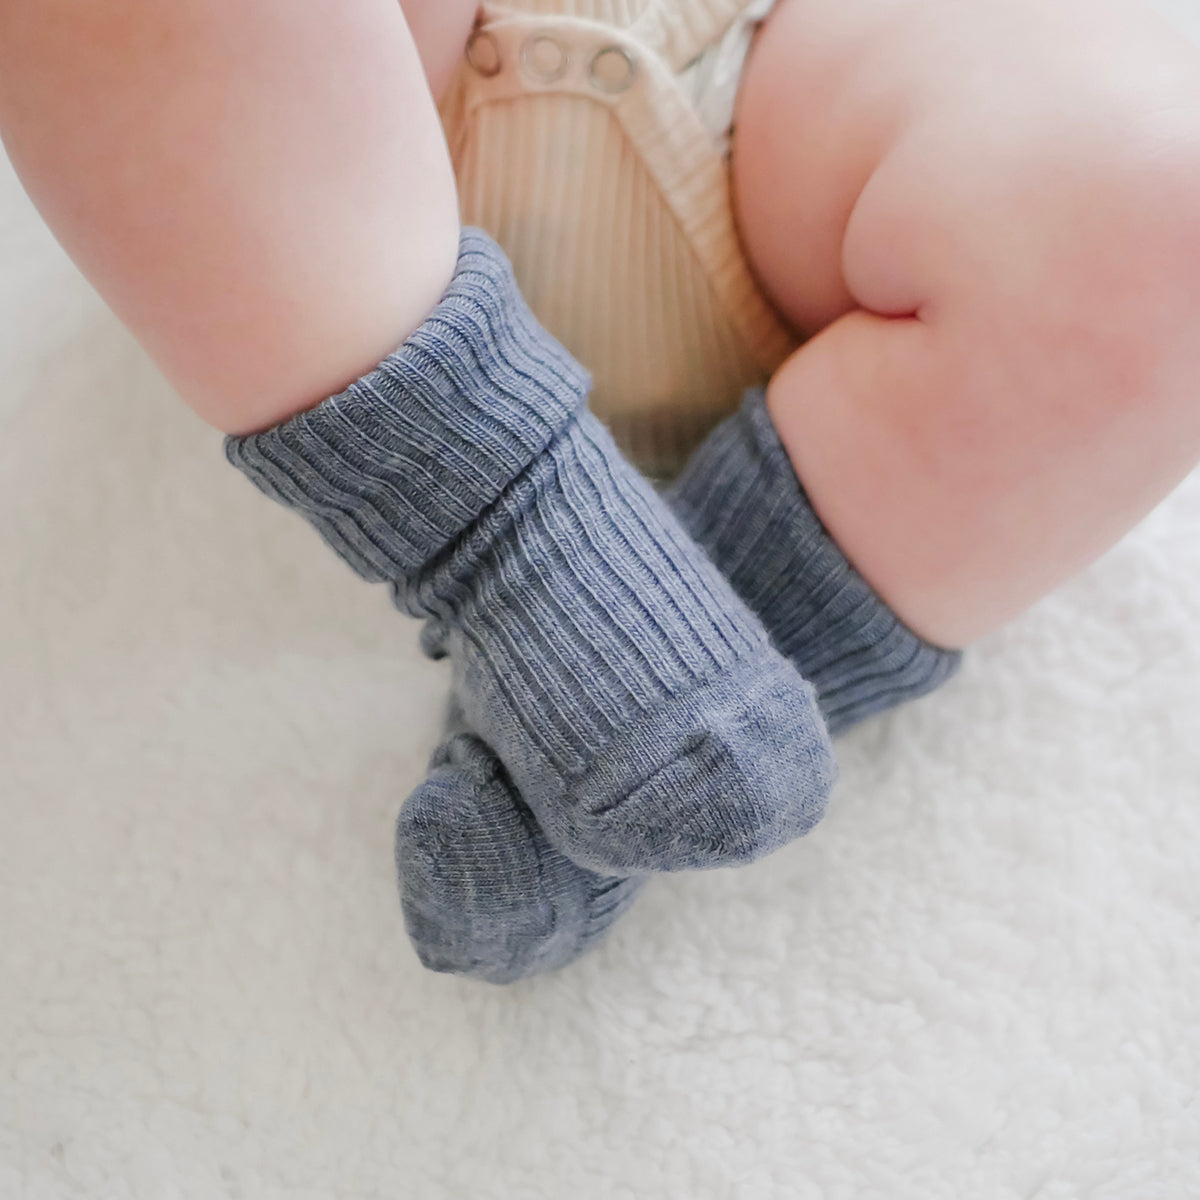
x,y
979,978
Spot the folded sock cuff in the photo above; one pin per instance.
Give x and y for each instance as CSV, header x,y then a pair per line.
x,y
741,500
394,468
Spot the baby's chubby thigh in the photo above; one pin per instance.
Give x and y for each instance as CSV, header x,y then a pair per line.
x,y
989,213
439,30
890,152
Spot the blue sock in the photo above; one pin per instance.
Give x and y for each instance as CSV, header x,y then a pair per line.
x,y
635,703
483,892
740,498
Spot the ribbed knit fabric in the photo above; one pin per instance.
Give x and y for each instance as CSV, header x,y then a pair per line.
x,y
613,202
483,892
635,703
740,499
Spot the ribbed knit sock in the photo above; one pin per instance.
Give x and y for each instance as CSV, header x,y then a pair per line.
x,y
635,703
741,500
483,892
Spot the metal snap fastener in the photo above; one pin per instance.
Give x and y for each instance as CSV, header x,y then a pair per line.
x,y
612,69
544,59
483,53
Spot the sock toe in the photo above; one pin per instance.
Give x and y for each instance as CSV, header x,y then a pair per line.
x,y
483,893
728,774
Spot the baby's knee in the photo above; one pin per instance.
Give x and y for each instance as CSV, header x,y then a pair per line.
x,y
1104,255
1072,252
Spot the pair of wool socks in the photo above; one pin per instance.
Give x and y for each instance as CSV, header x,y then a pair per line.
x,y
623,711
629,697
484,892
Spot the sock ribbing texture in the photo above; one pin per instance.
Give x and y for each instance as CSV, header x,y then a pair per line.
x,y
739,497
741,500
635,703
483,892
392,470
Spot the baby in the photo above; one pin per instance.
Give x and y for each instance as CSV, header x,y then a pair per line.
x,y
966,253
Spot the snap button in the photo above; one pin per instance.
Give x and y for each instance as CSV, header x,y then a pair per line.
x,y
544,59
612,69
483,53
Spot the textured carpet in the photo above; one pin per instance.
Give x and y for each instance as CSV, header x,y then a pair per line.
x,y
978,978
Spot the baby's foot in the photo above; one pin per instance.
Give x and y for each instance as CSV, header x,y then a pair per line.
x,y
741,500
634,701
484,893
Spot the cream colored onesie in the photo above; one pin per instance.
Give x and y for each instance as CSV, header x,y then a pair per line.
x,y
590,138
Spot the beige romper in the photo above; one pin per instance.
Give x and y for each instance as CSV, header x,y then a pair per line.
x,y
590,138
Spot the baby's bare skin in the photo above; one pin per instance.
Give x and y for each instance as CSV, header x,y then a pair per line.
x,y
986,211
258,188
991,213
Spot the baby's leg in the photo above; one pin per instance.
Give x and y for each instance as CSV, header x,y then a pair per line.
x,y
263,192
260,191
484,892
878,424
991,213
